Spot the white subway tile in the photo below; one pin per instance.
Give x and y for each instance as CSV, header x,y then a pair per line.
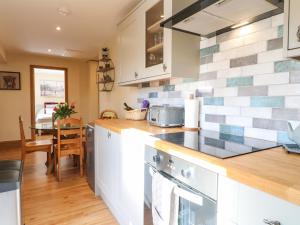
x,y
203,68
223,92
269,79
270,135
208,42
213,83
284,90
210,126
237,101
292,101
221,110
270,56
230,44
222,65
258,36
278,20
239,121
262,68
265,113
232,72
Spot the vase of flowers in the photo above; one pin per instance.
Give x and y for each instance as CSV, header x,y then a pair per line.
x,y
63,110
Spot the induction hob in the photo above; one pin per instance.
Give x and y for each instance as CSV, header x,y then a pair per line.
x,y
217,144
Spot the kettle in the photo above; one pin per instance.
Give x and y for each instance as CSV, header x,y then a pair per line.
x,y
294,134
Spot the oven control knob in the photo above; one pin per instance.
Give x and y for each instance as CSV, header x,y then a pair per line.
x,y
157,158
186,173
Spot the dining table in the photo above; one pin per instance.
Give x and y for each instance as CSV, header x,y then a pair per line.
x,y
51,129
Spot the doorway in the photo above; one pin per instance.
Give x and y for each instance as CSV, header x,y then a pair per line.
x,y
49,86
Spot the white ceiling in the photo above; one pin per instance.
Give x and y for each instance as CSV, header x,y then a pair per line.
x,y
29,25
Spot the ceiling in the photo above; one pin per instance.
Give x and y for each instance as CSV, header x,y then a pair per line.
x,y
30,25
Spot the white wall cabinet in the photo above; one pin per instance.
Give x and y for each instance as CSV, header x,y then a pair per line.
x,y
120,174
176,54
130,47
292,28
239,204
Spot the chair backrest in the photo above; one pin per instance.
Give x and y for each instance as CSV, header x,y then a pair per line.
x,y
69,135
22,134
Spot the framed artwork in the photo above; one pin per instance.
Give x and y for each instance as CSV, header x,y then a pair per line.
x,y
51,88
10,80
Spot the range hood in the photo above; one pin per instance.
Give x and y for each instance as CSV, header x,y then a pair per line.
x,y
208,18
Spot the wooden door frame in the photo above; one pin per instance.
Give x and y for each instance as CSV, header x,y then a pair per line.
x,y
32,90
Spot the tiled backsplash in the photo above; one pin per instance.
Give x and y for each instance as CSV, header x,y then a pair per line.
x,y
245,85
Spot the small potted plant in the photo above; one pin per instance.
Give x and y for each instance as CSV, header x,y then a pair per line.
x,y
63,110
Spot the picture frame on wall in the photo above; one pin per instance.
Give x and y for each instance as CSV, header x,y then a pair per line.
x,y
10,80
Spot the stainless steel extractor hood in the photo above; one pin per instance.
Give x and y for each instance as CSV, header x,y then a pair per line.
x,y
208,18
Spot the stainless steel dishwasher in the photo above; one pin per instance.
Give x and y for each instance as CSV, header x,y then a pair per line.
x,y
90,155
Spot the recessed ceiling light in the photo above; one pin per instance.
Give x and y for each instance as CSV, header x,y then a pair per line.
x,y
58,28
240,24
64,11
49,50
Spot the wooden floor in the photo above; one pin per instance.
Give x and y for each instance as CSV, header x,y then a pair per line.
x,y
47,202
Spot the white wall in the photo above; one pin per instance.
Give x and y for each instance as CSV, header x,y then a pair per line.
x,y
15,103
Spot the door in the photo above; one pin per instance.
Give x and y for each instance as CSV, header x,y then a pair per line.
x,y
158,40
48,87
255,206
132,177
130,48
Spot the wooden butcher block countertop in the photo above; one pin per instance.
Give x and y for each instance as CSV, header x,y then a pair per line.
x,y
272,171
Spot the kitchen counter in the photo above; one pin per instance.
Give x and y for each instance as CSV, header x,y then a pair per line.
x,y
272,171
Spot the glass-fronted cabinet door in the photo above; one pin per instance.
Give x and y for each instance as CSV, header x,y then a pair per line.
x,y
154,35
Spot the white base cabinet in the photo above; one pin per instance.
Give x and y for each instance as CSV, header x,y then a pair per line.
x,y
108,171
119,164
239,204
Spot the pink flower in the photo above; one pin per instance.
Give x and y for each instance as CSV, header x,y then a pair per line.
x,y
72,105
55,109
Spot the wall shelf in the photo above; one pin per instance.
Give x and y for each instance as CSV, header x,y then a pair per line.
x,y
154,28
155,48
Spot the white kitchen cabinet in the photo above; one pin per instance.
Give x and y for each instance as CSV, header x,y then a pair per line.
x,y
132,181
160,53
255,206
227,201
292,28
120,173
239,204
130,47
108,170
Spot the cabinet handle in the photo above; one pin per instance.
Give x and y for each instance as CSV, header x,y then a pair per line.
x,y
136,74
271,222
108,134
164,67
298,33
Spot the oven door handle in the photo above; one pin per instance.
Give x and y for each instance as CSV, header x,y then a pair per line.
x,y
188,195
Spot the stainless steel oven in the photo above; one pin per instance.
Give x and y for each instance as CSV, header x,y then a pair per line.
x,y
197,200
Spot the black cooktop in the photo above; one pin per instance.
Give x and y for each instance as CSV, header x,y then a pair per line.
x,y
217,144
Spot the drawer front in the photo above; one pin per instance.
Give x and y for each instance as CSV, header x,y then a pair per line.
x,y
293,24
255,206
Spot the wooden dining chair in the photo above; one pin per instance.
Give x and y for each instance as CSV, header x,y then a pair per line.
x,y
34,146
69,142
